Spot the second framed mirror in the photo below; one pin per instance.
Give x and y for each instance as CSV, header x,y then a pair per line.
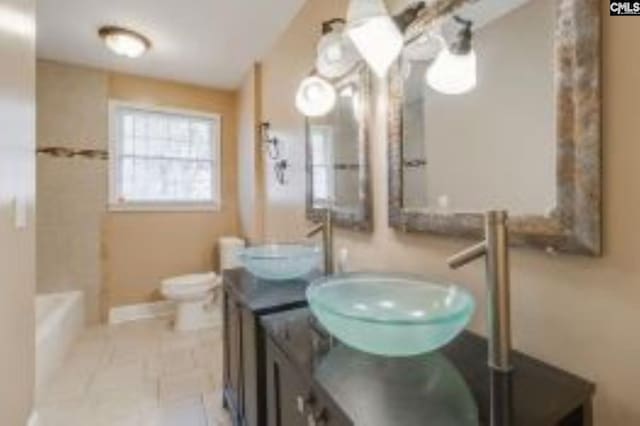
x,y
338,168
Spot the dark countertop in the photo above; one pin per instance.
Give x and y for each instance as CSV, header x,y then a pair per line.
x,y
262,296
451,387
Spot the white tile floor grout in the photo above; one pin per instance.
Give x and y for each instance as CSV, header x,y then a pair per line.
x,y
138,374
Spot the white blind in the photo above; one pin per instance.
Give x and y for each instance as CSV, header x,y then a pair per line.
x,y
164,157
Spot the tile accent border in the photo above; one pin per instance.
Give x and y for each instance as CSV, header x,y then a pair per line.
x,y
63,152
575,225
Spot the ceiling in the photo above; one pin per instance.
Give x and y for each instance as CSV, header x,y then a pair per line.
x,y
205,42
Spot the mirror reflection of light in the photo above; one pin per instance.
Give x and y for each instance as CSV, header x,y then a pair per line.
x,y
451,295
16,22
418,314
387,304
361,307
347,92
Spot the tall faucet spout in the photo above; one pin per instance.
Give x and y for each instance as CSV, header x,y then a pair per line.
x,y
468,255
495,249
315,231
326,228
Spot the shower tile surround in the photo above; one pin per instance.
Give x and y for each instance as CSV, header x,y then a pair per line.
x,y
72,191
139,373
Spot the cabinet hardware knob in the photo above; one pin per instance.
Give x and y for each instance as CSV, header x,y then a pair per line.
x,y
319,419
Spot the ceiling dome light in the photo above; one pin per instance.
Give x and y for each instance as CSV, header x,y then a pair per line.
x,y
124,42
453,74
336,54
315,97
375,34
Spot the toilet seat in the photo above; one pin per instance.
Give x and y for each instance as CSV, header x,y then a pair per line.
x,y
191,294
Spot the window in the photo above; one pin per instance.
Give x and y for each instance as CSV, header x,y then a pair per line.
x,y
322,177
163,159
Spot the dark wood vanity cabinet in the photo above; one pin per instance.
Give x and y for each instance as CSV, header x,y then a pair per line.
x,y
313,381
246,299
232,354
294,401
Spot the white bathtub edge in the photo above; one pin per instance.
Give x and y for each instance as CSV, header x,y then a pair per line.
x,y
44,330
55,336
141,311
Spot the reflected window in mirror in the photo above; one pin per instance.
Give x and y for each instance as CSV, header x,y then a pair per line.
x,y
321,146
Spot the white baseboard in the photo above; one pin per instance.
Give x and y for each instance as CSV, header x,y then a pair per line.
x,y
33,419
142,311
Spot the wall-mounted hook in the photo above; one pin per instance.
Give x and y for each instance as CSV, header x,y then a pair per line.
x,y
273,144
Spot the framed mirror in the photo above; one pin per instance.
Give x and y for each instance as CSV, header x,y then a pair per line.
x,y
338,171
522,133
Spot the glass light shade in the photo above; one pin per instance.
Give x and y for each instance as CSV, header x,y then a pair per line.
x,y
374,34
453,74
315,97
336,55
124,42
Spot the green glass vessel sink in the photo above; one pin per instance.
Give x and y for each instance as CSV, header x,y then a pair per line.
x,y
390,314
281,261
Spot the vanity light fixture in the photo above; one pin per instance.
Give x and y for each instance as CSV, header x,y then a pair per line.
x,y
124,42
336,54
272,142
375,34
454,71
316,97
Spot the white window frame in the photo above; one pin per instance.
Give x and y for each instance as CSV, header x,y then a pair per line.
x,y
116,205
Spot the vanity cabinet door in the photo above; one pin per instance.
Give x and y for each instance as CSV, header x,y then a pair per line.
x,y
285,392
291,401
233,357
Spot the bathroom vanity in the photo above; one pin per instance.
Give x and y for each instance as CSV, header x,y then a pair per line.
x,y
246,300
314,381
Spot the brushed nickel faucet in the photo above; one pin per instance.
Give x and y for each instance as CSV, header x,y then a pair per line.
x,y
495,249
326,227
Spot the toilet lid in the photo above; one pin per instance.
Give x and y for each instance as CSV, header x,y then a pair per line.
x,y
193,280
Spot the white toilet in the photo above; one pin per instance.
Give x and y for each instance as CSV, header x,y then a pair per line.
x,y
191,294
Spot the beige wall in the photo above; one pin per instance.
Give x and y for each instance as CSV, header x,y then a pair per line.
x,y
72,192
250,174
17,182
579,313
143,248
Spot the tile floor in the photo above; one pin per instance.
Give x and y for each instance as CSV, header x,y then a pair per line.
x,y
138,374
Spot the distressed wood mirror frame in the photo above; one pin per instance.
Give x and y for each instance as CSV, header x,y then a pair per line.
x,y
575,224
359,218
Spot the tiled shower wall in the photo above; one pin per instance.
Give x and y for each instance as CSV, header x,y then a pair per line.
x,y
71,192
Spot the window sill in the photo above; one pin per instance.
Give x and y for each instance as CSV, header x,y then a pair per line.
x,y
162,207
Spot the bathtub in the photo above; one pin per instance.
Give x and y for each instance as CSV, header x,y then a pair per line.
x,y
59,321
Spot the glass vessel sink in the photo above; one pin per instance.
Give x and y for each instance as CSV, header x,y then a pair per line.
x,y
390,314
280,261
